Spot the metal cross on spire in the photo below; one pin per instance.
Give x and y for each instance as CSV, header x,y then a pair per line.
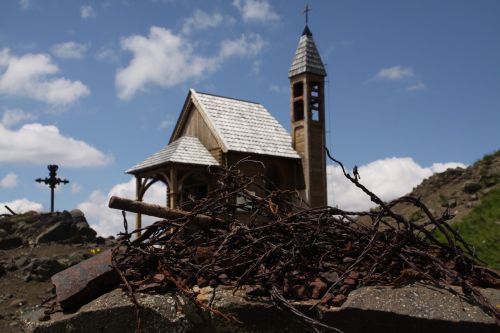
x,y
52,181
306,12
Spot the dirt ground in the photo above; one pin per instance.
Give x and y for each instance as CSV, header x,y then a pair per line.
x,y
19,291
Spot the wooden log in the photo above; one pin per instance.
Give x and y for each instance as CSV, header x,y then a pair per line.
x,y
140,207
10,210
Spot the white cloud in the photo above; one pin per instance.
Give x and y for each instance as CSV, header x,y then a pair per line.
x,y
25,4
167,123
107,221
44,144
246,45
166,59
87,12
441,167
256,10
76,188
255,68
201,20
394,73
389,178
277,89
417,86
13,117
162,58
20,206
69,50
31,75
9,181
107,54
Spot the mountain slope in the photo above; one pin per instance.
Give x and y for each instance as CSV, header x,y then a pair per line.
x,y
472,195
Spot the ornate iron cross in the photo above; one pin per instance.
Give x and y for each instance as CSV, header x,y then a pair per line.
x,y
52,181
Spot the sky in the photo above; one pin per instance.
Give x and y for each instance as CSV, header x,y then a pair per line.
x,y
413,88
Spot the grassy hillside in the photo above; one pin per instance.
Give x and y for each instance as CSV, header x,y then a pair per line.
x,y
481,228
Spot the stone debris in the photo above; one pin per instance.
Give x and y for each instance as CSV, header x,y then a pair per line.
x,y
414,308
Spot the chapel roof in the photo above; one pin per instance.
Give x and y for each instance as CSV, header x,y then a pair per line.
x,y
244,126
186,149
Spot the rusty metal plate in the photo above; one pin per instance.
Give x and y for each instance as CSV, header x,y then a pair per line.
x,y
83,282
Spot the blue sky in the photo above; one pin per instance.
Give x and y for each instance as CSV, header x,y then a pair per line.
x,y
96,86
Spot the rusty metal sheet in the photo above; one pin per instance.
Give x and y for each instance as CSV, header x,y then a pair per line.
x,y
81,283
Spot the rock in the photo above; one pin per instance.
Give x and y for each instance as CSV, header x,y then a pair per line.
x,y
317,288
85,281
452,203
471,187
10,266
77,214
35,228
85,233
330,276
58,232
299,291
17,303
100,240
410,309
22,261
345,289
338,300
10,243
413,308
42,269
348,260
114,313
43,317
349,281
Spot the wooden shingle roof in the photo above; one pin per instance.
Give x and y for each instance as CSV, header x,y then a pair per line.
x,y
307,58
244,126
186,149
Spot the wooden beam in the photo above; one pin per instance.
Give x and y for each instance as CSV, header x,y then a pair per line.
x,y
138,194
202,221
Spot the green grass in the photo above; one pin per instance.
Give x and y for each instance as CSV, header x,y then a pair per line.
x,y
481,228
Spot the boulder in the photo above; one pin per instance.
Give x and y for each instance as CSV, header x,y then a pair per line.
x,y
471,187
10,243
113,312
86,233
3,271
42,269
413,308
57,232
77,214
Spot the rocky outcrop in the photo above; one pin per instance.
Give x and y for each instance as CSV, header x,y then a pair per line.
x,y
413,308
459,190
34,228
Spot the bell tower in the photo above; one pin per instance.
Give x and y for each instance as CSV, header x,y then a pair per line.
x,y
307,80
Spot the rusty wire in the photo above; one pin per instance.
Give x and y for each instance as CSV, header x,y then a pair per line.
x,y
289,252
